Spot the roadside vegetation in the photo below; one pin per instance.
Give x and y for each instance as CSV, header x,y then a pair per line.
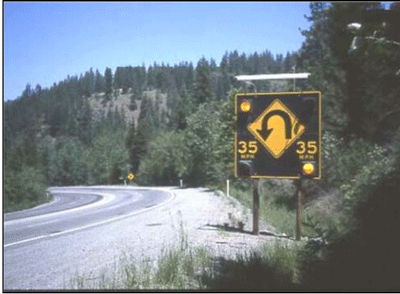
x,y
51,137
184,266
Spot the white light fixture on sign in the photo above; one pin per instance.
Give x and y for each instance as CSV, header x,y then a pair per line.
x,y
303,75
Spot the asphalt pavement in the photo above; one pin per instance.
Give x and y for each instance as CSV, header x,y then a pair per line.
x,y
34,240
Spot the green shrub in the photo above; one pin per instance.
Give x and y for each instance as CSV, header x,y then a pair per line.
x,y
365,256
24,189
163,163
342,161
378,165
350,171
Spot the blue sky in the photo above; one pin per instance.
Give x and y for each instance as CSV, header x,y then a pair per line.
x,y
46,42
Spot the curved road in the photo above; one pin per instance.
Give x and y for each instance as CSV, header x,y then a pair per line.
x,y
72,210
58,203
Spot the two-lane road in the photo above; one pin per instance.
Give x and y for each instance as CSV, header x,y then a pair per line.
x,y
76,208
73,212
91,246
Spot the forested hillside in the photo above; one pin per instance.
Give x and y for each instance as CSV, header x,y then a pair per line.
x,y
166,123
95,129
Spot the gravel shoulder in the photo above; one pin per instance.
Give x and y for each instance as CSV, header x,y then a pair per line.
x,y
212,220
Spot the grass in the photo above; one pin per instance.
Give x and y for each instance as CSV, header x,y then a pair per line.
x,y
187,267
276,206
173,269
273,267
278,217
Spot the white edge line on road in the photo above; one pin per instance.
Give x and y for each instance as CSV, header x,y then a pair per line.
x,y
106,198
99,223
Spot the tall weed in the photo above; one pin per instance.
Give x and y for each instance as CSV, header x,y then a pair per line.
x,y
271,268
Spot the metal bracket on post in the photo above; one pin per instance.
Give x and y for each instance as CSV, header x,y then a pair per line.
x,y
256,207
299,212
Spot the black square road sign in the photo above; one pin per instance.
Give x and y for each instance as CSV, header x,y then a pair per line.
x,y
278,135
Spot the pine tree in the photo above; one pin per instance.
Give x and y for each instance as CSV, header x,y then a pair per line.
x,y
108,84
99,82
202,91
130,142
190,77
85,123
91,81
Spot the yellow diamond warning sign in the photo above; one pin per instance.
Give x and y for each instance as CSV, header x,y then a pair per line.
x,y
277,128
278,135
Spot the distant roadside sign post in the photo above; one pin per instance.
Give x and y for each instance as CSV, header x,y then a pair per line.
x,y
122,178
278,135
